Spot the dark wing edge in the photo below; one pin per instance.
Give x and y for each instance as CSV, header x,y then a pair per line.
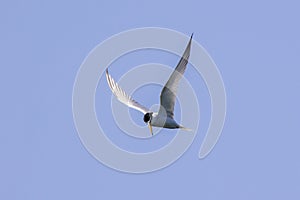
x,y
168,93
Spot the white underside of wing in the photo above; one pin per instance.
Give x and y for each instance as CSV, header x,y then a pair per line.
x,y
122,96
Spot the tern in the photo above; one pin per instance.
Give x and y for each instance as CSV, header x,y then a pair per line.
x,y
165,116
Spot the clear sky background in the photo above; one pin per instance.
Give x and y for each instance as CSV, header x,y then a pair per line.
x,y
256,47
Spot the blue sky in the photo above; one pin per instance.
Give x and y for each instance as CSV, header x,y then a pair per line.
x,y
256,47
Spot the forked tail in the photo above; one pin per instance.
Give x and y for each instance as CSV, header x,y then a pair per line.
x,y
185,129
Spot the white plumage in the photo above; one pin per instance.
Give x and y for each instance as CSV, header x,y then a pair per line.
x,y
165,116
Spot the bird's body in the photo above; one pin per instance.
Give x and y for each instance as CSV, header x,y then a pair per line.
x,y
164,121
165,116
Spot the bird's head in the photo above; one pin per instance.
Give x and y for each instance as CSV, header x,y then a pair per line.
x,y
147,119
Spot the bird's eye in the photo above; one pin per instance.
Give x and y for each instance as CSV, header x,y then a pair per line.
x,y
147,117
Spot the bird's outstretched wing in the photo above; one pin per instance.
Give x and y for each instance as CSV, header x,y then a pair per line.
x,y
168,93
122,96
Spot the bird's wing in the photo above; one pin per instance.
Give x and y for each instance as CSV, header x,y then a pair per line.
x,y
122,96
168,93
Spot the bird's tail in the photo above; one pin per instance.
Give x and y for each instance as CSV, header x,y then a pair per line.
x,y
185,129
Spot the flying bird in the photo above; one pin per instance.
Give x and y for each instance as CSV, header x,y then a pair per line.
x,y
165,116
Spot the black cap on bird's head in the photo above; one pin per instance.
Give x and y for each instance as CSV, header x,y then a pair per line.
x,y
147,117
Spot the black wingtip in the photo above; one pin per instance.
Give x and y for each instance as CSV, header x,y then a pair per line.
x,y
192,35
106,70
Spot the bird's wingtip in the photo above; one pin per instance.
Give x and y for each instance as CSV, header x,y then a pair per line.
x,y
192,35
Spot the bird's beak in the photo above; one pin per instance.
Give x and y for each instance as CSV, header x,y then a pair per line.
x,y
150,128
